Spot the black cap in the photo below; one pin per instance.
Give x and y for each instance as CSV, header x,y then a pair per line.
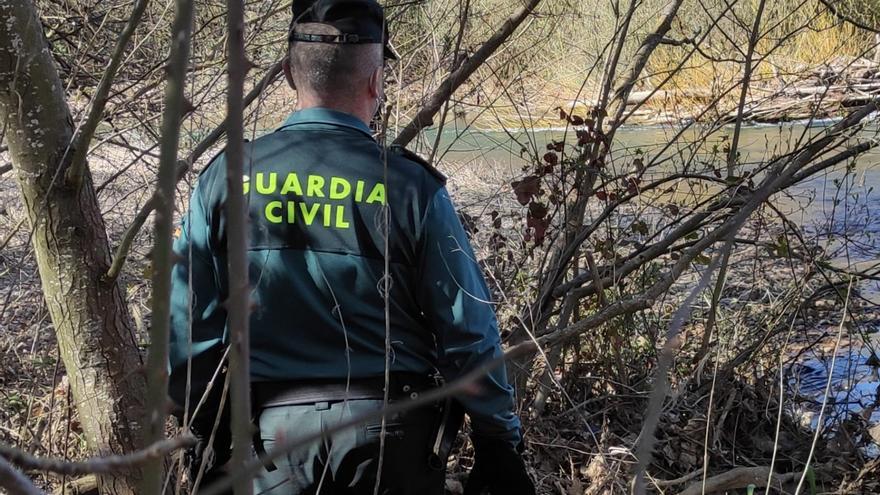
x,y
358,21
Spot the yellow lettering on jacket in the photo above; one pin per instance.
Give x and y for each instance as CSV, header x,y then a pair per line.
x,y
316,186
271,207
313,200
262,186
291,185
339,188
378,194
308,213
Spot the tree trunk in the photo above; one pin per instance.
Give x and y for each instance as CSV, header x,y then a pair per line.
x,y
92,324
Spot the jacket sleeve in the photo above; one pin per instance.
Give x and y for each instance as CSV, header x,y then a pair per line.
x,y
455,300
198,318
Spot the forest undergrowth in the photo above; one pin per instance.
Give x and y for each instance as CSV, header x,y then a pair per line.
x,y
723,409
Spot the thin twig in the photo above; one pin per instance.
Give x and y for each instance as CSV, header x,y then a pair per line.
x,y
102,93
425,116
183,166
98,465
658,393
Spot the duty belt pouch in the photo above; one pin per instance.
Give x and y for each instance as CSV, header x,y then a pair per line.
x,y
451,418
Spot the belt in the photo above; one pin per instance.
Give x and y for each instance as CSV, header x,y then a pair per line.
x,y
296,392
289,393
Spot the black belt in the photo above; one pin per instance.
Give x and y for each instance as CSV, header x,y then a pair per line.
x,y
290,393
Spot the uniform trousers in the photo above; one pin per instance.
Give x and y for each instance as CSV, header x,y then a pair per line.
x,y
346,461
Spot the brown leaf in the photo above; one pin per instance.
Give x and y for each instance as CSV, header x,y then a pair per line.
x,y
632,184
584,137
538,226
538,210
526,188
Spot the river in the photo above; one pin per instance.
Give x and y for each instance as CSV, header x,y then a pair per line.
x,y
840,208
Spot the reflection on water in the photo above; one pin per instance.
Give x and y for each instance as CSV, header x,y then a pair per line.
x,y
854,386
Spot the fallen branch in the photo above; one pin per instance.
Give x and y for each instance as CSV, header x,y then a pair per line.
x,y
740,477
97,465
79,486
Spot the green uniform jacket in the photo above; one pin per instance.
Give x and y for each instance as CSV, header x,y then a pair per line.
x,y
317,188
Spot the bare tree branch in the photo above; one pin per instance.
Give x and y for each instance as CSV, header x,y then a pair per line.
x,y
744,89
99,100
98,465
644,52
16,482
425,116
183,167
162,258
644,449
845,18
236,210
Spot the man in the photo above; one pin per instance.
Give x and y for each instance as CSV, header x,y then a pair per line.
x,y
318,189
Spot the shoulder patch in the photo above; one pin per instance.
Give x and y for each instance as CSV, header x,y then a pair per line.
x,y
413,157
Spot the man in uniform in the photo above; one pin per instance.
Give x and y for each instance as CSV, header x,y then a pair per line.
x,y
318,189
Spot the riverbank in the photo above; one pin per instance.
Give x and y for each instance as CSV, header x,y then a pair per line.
x,y
818,93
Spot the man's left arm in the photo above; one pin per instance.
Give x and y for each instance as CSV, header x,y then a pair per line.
x,y
198,321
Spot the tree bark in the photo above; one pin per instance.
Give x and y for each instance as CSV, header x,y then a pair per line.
x,y
94,330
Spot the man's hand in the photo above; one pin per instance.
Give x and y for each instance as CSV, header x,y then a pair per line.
x,y
498,468
212,451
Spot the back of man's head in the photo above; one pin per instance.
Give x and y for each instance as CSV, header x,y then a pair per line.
x,y
332,71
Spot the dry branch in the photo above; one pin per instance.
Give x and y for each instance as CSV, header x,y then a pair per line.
x,y
98,465
651,42
102,95
236,214
829,4
738,478
162,257
14,481
183,166
425,116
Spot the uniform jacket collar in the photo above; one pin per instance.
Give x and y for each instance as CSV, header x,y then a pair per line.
x,y
325,116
